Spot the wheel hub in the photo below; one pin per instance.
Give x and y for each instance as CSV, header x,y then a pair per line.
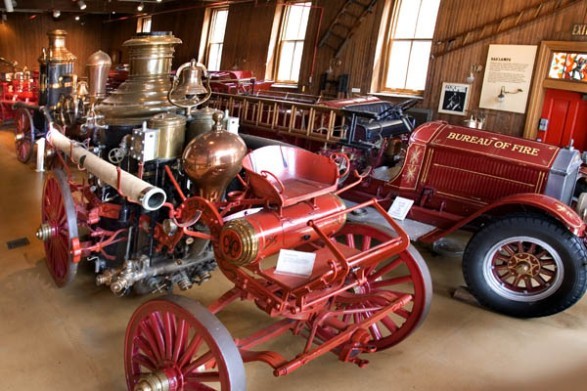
x,y
524,264
45,232
167,379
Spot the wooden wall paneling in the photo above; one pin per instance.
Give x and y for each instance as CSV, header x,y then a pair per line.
x,y
22,37
186,25
356,59
119,31
454,17
246,40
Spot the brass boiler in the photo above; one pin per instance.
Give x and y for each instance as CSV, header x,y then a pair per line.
x,y
98,66
171,134
200,121
56,76
213,159
247,240
144,93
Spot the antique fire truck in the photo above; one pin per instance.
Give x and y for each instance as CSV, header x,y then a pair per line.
x,y
153,211
527,255
522,199
65,99
17,85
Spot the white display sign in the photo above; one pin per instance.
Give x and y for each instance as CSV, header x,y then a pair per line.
x,y
400,207
298,263
508,73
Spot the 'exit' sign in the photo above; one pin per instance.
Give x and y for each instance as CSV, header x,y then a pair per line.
x,y
579,29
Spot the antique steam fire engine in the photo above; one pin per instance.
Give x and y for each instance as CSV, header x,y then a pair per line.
x,y
15,86
157,214
65,99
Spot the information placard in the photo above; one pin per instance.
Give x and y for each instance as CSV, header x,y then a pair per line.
x,y
297,263
400,207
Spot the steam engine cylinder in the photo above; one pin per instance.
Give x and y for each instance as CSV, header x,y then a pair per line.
x,y
247,240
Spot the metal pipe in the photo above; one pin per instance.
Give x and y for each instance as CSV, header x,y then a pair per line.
x,y
134,189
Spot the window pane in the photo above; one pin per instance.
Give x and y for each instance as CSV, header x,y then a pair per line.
x,y
297,61
296,21
214,56
418,67
218,25
397,68
285,60
427,19
291,45
405,22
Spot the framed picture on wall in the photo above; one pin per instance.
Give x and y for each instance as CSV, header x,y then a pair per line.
x,y
454,98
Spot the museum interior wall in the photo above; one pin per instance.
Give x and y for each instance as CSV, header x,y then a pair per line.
x,y
248,38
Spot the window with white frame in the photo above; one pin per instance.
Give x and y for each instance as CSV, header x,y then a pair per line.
x,y
144,24
409,44
215,43
291,41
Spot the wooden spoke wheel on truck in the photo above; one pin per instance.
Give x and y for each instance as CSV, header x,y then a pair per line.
x,y
24,135
58,228
526,266
399,274
174,343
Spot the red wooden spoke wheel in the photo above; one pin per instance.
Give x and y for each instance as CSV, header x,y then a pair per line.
x,y
59,228
24,135
174,343
402,273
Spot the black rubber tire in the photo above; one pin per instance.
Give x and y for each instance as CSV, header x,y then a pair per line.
x,y
564,287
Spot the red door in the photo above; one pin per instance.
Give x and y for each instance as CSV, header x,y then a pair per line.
x,y
566,112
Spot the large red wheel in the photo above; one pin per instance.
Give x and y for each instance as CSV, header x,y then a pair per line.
x,y
24,135
402,273
59,228
174,343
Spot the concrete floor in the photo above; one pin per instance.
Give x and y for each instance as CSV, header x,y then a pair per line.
x,y
72,338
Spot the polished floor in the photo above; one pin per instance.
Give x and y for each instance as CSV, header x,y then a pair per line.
x,y
72,338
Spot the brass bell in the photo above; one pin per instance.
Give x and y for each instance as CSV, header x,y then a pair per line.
x,y
187,86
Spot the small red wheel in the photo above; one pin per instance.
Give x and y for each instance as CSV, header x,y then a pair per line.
x,y
59,228
24,135
402,273
175,343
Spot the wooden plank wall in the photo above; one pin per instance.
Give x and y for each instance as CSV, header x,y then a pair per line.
x,y
454,66
22,38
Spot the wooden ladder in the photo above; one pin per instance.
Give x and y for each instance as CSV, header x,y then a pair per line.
x,y
345,24
500,26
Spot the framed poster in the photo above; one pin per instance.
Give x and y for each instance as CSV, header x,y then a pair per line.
x,y
508,73
454,98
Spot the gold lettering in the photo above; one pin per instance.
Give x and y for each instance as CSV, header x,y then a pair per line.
x,y
525,150
451,136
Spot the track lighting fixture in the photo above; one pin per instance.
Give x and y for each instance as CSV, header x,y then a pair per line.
x,y
56,13
81,4
141,6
